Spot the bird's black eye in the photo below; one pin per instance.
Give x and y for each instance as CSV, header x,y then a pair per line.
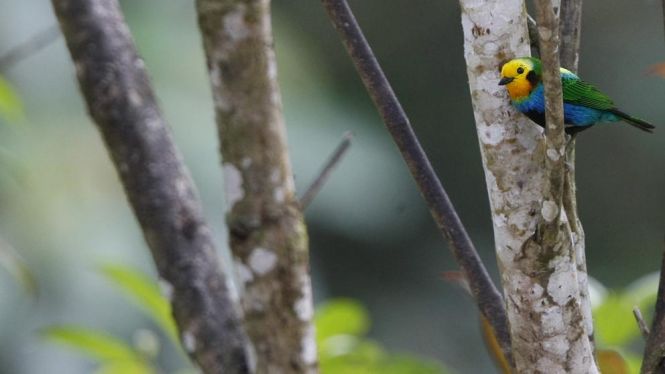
x,y
520,70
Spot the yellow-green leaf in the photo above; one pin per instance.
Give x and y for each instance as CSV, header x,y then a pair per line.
x,y
126,367
615,325
146,294
340,317
92,343
11,107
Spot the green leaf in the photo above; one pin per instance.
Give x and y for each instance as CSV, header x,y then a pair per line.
x,y
146,294
92,343
125,367
16,267
11,107
615,324
341,317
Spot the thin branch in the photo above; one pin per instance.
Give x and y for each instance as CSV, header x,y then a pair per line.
x,y
654,351
325,173
644,329
484,291
570,23
120,99
570,29
548,32
36,43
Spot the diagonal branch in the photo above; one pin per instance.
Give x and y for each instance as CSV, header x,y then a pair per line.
x,y
36,43
485,293
120,100
326,171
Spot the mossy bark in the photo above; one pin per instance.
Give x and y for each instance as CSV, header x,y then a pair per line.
x,y
267,235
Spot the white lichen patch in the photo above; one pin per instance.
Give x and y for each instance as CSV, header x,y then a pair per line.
x,y
278,194
499,220
166,288
134,98
246,162
552,322
562,285
189,341
492,135
262,261
557,345
303,307
308,346
547,365
243,273
235,25
234,191
549,210
553,154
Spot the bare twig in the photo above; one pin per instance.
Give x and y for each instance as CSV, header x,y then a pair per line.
x,y
326,171
36,43
267,234
569,50
654,351
485,293
644,329
120,99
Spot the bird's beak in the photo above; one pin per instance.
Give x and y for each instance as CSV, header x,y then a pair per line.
x,y
505,80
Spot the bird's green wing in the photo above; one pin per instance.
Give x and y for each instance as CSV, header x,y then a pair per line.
x,y
576,91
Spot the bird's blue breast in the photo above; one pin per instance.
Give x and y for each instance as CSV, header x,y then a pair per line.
x,y
575,115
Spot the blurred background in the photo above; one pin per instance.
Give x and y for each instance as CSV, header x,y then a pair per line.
x,y
372,239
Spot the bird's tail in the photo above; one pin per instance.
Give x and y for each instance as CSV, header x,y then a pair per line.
x,y
635,122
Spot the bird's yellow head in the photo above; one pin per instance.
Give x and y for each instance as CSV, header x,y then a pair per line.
x,y
520,76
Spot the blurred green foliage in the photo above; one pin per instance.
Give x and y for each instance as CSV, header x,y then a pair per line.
x,y
112,354
145,292
341,327
11,107
615,325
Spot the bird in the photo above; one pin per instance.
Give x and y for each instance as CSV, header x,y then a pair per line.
x,y
583,104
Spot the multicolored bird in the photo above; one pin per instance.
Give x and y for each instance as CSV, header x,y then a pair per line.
x,y
583,104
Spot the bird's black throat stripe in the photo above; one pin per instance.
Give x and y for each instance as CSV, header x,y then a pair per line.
x,y
539,119
532,77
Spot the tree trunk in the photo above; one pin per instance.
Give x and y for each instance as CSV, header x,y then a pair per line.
x,y
267,234
533,238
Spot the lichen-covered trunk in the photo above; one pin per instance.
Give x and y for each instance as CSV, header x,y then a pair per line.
x,y
267,234
533,238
